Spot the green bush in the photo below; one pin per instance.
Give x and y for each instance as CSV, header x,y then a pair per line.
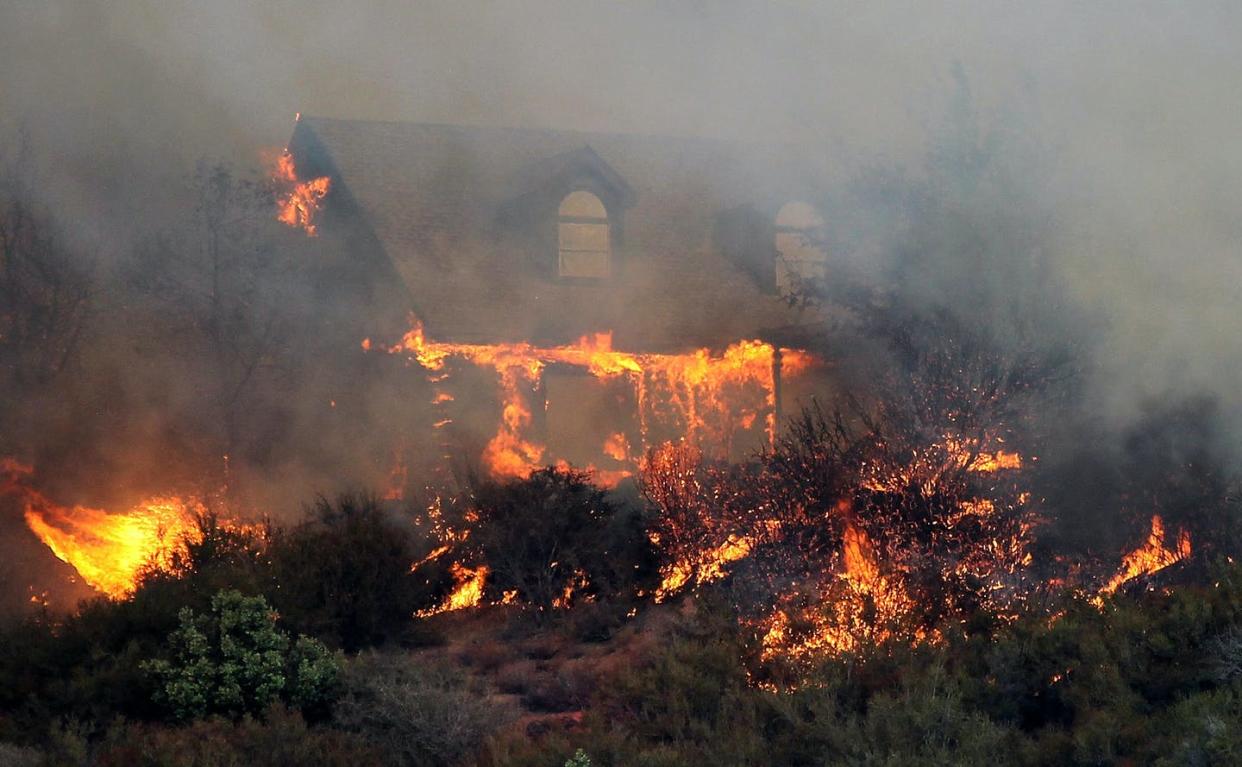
x,y
234,661
344,574
579,759
556,532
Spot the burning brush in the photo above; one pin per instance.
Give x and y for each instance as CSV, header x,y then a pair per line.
x,y
109,551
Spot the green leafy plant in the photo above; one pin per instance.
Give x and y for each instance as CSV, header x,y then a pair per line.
x,y
579,759
234,661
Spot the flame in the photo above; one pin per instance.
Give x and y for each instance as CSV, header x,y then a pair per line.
x,y
1149,558
860,607
469,582
567,596
859,556
398,476
994,462
707,397
467,591
297,201
711,566
617,447
109,551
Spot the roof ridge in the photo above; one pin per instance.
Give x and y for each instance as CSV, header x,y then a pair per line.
x,y
529,129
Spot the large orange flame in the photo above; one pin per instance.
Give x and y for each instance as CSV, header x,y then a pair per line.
x,y
862,605
467,590
1149,558
109,551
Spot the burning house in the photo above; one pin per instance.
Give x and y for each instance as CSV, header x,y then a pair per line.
x,y
600,293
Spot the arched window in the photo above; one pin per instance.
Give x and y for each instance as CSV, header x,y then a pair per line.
x,y
585,241
800,253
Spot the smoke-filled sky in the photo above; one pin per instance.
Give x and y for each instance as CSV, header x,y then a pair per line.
x,y
1140,103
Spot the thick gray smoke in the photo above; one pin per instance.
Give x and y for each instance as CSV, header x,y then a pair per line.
x,y
1125,115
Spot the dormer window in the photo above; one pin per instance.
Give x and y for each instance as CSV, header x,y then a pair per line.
x,y
800,252
585,241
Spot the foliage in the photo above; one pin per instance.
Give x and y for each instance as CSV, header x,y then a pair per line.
x,y
556,533
20,756
416,715
1138,681
279,738
344,574
579,759
235,661
1150,678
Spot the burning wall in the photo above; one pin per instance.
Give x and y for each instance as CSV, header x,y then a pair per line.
x,y
725,402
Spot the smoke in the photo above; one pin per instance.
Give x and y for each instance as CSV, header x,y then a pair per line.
x,y
1116,123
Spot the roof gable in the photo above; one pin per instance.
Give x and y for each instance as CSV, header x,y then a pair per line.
x,y
562,171
433,197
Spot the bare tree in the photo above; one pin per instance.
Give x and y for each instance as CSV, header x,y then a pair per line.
x,y
45,286
218,284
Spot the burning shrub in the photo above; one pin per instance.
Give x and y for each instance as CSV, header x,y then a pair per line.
x,y
213,555
234,661
858,529
555,539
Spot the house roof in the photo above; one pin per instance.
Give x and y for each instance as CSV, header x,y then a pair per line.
x,y
432,195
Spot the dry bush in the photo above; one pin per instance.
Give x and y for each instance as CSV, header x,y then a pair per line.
x,y
516,678
485,655
543,646
421,716
861,523
281,738
18,756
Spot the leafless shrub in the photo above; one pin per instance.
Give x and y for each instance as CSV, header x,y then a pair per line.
x,y
1226,659
17,756
424,716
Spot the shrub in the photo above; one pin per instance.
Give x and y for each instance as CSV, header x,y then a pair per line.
x,y
18,756
280,738
927,722
579,759
344,574
485,655
235,661
217,555
416,715
556,533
